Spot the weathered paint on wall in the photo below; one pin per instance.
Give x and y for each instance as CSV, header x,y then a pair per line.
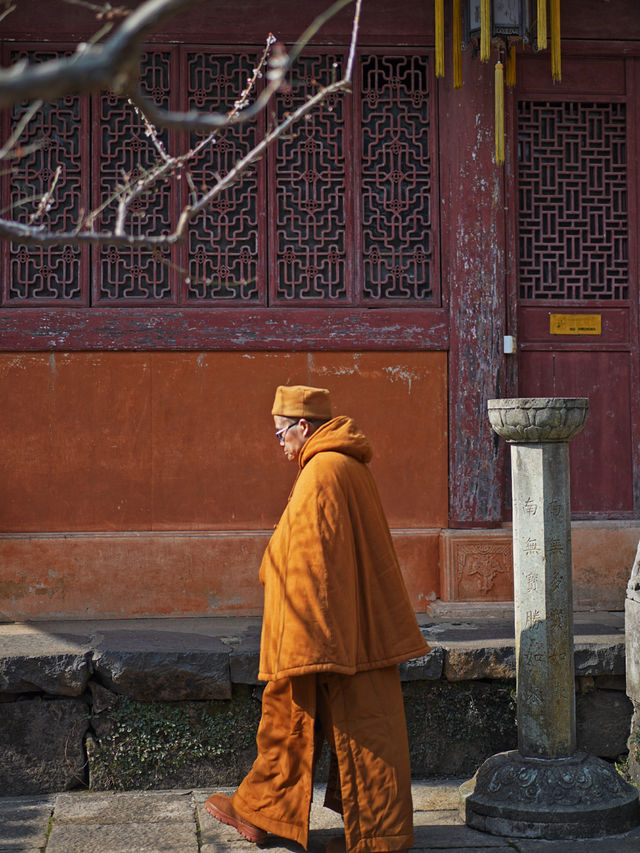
x,y
172,455
184,441
127,575
473,235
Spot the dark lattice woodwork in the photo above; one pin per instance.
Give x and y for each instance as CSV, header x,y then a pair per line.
x,y
573,221
226,259
311,193
134,276
54,138
332,216
397,241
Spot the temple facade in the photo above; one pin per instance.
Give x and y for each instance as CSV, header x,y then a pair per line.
x,y
379,251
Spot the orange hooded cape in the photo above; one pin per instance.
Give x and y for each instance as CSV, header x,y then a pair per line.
x,y
335,600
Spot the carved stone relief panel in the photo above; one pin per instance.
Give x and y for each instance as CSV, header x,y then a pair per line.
x,y
476,565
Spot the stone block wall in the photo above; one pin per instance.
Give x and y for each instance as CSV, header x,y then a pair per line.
x,y
175,706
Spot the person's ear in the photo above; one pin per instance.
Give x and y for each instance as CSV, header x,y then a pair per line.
x,y
306,426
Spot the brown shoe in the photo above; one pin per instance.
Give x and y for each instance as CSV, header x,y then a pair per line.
x,y
222,809
339,845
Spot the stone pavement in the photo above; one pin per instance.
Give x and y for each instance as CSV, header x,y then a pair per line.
x,y
176,822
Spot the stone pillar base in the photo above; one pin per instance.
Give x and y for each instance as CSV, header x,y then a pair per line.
x,y
561,798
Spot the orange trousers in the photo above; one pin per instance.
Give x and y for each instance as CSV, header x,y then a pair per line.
x,y
362,718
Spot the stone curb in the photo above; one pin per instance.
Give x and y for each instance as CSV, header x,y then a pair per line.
x,y
200,659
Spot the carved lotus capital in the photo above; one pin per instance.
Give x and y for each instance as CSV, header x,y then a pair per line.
x,y
538,419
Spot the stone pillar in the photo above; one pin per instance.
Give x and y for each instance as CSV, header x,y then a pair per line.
x,y
543,600
545,789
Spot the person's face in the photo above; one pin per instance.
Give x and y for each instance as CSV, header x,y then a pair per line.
x,y
292,434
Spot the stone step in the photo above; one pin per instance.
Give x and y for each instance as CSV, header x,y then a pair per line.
x,y
176,702
200,658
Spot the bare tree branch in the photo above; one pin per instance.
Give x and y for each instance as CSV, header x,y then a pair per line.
x,y
47,199
15,136
278,62
92,68
8,9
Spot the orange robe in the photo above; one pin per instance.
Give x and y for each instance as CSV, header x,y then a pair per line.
x,y
337,620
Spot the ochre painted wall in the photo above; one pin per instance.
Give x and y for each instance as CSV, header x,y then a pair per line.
x,y
146,483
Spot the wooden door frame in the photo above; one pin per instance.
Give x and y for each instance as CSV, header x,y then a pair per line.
x,y
630,54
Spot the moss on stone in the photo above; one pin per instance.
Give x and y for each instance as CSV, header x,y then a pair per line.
x,y
141,745
454,726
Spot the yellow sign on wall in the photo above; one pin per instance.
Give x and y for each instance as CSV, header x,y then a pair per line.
x,y
575,324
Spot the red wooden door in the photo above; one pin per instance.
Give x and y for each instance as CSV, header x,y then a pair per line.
x,y
577,222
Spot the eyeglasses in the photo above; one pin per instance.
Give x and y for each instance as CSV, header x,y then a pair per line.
x,y
280,434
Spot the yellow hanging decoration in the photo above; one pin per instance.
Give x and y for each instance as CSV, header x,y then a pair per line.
x,y
542,24
499,120
556,67
457,45
485,31
510,69
439,7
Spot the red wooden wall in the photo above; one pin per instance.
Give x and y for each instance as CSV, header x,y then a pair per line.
x,y
464,260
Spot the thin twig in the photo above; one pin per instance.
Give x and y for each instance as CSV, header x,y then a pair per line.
x,y
354,41
7,11
171,165
84,233
24,121
95,67
196,120
47,198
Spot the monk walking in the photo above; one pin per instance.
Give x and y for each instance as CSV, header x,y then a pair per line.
x,y
337,621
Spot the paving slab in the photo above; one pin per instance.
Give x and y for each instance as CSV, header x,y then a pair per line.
x,y
165,837
442,817
221,841
24,823
124,807
168,822
432,795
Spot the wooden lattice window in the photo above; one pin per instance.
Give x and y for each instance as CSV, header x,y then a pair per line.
x,y
396,169
121,146
339,215
55,139
573,220
226,243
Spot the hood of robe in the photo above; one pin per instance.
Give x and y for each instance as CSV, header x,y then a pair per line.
x,y
340,435
335,600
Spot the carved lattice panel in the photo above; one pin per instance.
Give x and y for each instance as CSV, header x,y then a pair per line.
x,y
396,176
309,177
134,276
53,140
573,220
226,256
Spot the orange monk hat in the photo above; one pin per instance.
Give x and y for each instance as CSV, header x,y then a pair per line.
x,y
302,401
